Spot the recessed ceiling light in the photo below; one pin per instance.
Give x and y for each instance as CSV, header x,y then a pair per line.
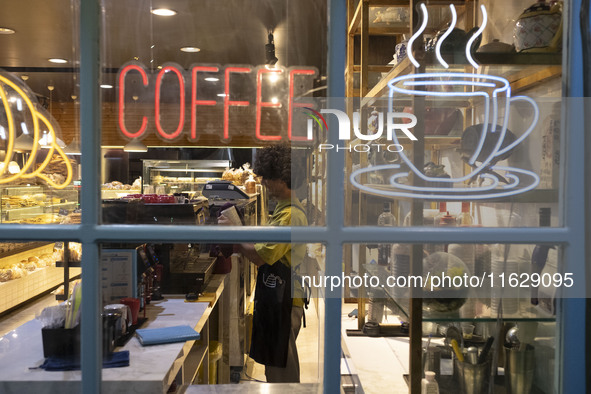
x,y
105,86
7,30
58,60
164,12
212,79
221,95
190,49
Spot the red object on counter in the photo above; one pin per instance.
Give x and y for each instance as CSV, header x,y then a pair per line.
x,y
134,305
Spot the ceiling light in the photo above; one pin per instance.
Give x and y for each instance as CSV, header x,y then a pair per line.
x,y
105,86
271,59
190,49
135,145
164,12
274,100
222,95
212,79
7,30
273,77
58,60
24,77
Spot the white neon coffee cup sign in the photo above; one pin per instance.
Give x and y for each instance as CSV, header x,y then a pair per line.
x,y
496,101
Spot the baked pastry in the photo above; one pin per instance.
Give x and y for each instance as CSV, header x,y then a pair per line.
x,y
5,275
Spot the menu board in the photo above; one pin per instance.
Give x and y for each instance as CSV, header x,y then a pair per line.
x,y
118,274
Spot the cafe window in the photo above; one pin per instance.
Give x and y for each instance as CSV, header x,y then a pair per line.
x,y
125,148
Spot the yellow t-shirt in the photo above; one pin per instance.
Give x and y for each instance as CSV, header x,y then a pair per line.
x,y
286,214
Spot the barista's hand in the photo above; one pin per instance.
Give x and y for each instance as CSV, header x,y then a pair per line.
x,y
224,221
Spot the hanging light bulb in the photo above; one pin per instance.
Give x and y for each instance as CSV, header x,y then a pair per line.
x,y
271,59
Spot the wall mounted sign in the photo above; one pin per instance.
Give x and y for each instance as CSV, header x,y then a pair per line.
x,y
238,95
23,124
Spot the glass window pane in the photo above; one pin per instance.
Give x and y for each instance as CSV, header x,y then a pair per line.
x,y
39,111
183,105
213,290
33,316
468,293
479,124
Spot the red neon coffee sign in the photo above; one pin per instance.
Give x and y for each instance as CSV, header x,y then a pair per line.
x,y
164,82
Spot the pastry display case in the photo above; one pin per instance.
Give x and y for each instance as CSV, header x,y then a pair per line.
x,y
180,176
32,204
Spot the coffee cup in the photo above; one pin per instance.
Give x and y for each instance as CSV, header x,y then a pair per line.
x,y
134,305
495,93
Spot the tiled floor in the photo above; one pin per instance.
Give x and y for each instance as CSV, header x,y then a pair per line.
x,y
307,344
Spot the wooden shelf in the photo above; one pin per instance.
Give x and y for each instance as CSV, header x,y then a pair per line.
x,y
531,197
25,247
18,213
395,28
533,69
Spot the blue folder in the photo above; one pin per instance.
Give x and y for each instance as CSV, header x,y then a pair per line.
x,y
156,336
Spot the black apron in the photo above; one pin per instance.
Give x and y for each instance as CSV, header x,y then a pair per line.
x,y
271,321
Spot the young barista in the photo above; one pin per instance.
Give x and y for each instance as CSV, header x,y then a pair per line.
x,y
277,315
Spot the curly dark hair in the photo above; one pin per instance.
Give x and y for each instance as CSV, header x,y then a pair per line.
x,y
277,161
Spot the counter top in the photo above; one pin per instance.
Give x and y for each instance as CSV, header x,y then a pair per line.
x,y
256,388
151,369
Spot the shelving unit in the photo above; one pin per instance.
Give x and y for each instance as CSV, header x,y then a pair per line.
x,y
523,71
17,291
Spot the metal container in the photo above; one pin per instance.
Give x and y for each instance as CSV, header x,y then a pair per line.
x,y
520,367
473,379
432,361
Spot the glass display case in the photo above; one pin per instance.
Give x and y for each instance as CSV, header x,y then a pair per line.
x,y
180,176
36,204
